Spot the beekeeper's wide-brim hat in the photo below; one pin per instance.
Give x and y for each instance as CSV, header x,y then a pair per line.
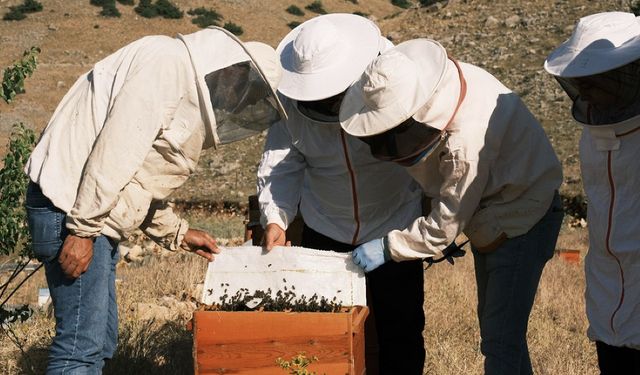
x,y
599,43
394,87
324,55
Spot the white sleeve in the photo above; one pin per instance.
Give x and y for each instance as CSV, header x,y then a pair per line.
x,y
280,177
459,197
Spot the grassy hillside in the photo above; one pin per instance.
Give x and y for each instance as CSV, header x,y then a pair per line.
x,y
508,38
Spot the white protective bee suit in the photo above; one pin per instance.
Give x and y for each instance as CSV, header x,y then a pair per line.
x,y
122,140
608,154
599,59
334,178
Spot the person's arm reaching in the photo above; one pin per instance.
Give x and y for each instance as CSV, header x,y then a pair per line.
x,y
280,177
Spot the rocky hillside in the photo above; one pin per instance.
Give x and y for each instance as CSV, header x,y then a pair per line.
x,y
509,38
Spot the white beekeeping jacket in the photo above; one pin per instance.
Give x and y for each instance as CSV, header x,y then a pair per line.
x,y
494,175
129,132
342,191
609,156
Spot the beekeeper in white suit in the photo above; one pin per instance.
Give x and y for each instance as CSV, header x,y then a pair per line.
x,y
487,165
310,164
126,135
599,68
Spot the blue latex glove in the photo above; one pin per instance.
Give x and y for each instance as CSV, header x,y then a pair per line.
x,y
371,255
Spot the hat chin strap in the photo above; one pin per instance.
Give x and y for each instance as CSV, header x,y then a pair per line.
x,y
461,96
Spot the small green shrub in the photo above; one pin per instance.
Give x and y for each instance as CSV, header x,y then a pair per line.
x,y
101,3
14,14
295,11
14,234
146,9
293,24
426,3
361,14
205,17
19,12
110,11
163,8
634,6
316,7
13,76
353,1
167,9
30,6
404,4
126,2
233,28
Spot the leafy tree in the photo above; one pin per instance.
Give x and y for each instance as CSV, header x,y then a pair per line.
x,y
14,235
295,11
293,24
13,77
126,2
13,183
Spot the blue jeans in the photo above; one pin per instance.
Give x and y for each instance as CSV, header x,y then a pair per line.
x,y
507,280
85,308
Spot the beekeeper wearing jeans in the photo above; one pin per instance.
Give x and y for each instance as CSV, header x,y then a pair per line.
x,y
126,135
310,164
489,170
599,68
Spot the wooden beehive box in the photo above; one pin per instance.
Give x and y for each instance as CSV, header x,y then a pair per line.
x,y
249,342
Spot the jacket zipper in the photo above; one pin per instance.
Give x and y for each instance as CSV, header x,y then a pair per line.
x,y
608,238
609,224
354,194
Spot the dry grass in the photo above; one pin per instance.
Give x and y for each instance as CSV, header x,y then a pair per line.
x,y
557,326
557,340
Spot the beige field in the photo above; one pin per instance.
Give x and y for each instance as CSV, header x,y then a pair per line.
x,y
557,340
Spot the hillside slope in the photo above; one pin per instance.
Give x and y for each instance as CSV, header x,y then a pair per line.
x,y
508,38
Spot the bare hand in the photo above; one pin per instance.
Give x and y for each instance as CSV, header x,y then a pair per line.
x,y
274,236
201,243
75,255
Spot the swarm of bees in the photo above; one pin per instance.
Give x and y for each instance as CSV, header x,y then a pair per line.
x,y
283,300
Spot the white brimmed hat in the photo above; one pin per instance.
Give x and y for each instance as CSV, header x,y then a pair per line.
x,y
394,87
324,55
599,43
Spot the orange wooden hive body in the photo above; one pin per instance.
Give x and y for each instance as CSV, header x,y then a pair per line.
x,y
249,342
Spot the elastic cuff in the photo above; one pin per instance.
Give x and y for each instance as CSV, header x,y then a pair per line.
x,y
182,230
274,219
83,228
